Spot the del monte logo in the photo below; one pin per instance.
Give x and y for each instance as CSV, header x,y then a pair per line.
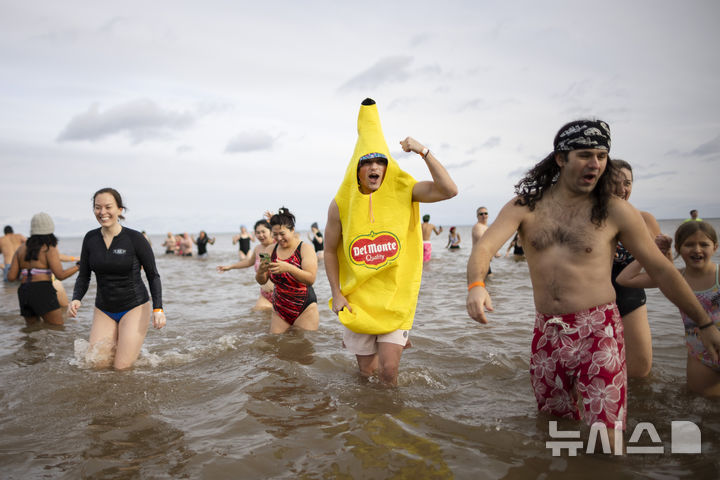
x,y
374,250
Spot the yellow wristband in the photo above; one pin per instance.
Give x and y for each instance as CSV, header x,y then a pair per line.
x,y
476,284
157,310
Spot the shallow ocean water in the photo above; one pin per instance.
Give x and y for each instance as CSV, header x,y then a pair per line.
x,y
215,396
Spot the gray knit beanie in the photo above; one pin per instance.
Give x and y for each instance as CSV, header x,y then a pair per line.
x,y
41,224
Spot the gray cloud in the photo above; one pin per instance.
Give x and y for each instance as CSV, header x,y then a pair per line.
x,y
647,176
139,119
250,142
385,70
419,39
518,172
708,148
482,105
491,142
451,166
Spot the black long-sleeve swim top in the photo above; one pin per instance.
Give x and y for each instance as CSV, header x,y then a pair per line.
x,y
117,271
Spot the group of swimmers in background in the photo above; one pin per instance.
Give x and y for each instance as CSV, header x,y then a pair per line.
x,y
182,245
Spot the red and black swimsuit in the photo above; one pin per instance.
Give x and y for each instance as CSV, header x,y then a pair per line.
x,y
290,297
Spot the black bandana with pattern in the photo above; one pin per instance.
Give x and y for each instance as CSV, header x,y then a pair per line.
x,y
583,134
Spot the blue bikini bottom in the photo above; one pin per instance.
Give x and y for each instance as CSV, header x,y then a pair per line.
x,y
115,316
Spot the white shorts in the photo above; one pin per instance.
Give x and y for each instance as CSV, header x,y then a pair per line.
x,y
364,344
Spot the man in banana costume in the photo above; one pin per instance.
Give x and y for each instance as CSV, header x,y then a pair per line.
x,y
373,246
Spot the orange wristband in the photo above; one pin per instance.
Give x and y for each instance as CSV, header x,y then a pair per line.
x,y
476,284
158,310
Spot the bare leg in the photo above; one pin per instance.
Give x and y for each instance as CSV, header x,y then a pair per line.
x,y
277,324
367,364
61,294
31,320
131,335
262,304
389,359
54,317
103,337
702,379
309,318
638,342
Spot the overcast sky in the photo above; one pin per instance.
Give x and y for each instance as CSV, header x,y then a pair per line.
x,y
205,114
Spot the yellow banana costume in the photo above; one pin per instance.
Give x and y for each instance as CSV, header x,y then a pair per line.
x,y
380,257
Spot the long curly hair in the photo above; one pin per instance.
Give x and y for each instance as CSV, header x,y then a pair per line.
x,y
545,174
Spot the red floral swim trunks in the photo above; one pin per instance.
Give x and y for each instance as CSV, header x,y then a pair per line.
x,y
580,355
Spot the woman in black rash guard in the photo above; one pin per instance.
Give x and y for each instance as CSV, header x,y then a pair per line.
x,y
122,308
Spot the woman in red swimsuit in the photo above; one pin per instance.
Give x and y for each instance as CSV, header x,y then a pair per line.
x,y
292,268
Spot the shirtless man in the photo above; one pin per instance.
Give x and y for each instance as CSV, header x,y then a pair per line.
x,y
427,230
9,243
569,229
480,228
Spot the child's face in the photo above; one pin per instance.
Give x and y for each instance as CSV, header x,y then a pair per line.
x,y
697,250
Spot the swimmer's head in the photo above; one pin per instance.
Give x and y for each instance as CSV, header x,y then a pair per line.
x,y
577,135
8,229
116,196
263,223
283,218
688,229
283,227
623,178
371,171
426,218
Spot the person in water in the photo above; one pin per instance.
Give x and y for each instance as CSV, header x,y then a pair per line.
x,y
122,308
631,301
427,230
9,243
453,242
696,243
316,237
292,269
36,261
373,246
570,222
264,235
243,240
170,244
202,242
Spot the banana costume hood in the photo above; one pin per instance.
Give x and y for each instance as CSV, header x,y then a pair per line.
x,y
381,252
